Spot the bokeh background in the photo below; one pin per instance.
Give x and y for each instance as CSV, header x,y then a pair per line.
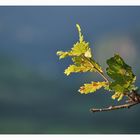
x,y
35,95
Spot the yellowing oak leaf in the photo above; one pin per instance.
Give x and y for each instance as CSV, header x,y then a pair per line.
x,y
81,65
75,69
79,48
92,87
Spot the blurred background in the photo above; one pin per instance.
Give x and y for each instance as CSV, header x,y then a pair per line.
x,y
36,96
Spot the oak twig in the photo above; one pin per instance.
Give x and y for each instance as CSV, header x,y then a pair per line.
x,y
115,107
134,99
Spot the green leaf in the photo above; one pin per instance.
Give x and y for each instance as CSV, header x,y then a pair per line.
x,y
92,87
122,75
119,70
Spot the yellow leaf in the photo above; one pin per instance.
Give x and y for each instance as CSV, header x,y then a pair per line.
x,y
118,95
75,69
62,54
80,48
92,87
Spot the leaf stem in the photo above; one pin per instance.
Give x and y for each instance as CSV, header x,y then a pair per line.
x,y
98,71
103,76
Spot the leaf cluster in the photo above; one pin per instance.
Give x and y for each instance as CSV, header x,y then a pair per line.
x,y
121,74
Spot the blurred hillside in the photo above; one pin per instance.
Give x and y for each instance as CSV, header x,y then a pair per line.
x,y
35,95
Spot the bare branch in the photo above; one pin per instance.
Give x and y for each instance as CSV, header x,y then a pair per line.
x,y
128,105
134,99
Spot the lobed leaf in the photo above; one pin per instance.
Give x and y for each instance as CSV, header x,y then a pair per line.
x,y
92,87
75,69
122,75
79,48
